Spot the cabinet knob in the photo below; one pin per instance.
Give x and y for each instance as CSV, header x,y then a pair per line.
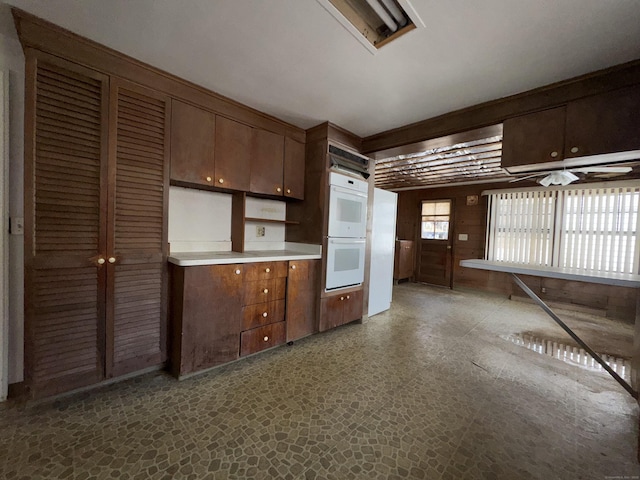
x,y
348,297
112,259
209,179
554,154
266,290
288,190
266,339
341,298
265,314
293,267
237,271
101,261
279,189
221,180
267,270
574,149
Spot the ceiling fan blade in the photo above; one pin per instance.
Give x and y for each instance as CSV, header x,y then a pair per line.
x,y
528,177
602,169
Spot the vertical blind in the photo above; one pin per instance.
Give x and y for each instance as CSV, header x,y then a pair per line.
x,y
592,229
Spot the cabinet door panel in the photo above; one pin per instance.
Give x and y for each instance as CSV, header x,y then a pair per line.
x,y
267,151
206,327
232,155
531,139
302,294
192,144
330,312
294,165
352,306
261,338
65,200
136,312
604,123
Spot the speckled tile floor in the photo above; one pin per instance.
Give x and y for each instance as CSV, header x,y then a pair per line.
x,y
427,390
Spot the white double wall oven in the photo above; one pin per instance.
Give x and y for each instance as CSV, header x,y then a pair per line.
x,y
347,229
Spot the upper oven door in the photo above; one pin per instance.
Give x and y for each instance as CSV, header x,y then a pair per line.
x,y
347,213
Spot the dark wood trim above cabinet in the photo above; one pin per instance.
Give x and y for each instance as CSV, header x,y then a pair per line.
x,y
336,134
42,35
496,111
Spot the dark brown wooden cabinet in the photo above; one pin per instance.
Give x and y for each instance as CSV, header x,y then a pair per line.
x,y
267,152
232,154
404,260
340,308
96,184
599,124
294,166
302,294
192,144
206,316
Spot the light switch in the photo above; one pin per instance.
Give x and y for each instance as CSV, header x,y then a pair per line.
x,y
463,237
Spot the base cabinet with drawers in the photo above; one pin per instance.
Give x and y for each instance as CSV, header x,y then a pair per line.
x,y
339,309
222,312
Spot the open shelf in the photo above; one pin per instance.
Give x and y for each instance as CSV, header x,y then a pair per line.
x,y
269,220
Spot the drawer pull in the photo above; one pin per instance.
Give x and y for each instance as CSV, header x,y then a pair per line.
x,y
288,190
574,149
267,269
266,290
279,189
341,298
237,271
221,180
209,179
266,339
554,154
265,314
293,267
348,297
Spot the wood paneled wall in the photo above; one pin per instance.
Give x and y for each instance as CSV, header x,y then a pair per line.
x,y
617,302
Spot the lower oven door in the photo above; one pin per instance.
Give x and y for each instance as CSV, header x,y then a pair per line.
x,y
345,262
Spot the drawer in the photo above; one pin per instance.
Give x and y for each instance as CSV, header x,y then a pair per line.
x,y
262,314
265,270
262,291
261,338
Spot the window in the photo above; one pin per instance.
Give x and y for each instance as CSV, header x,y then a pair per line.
x,y
435,219
591,229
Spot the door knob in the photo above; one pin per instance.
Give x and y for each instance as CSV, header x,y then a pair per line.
x,y
221,180
209,179
266,339
101,261
237,271
267,270
278,189
112,259
293,267
265,314
288,190
266,290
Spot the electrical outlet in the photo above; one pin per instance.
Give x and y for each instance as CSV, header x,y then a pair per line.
x,y
16,226
543,290
260,231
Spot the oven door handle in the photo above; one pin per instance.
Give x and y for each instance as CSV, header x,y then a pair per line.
x,y
348,191
346,241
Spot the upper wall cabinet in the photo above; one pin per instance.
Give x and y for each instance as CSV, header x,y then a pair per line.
x,y
192,144
232,154
599,124
267,152
294,164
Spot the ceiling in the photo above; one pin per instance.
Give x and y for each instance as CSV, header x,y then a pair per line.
x,y
293,60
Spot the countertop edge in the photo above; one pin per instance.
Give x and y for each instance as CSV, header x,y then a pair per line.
x,y
241,259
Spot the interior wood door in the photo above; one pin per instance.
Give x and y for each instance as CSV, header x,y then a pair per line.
x,y
435,244
137,236
65,201
267,152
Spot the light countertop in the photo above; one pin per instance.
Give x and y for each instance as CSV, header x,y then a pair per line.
x,y
620,279
191,259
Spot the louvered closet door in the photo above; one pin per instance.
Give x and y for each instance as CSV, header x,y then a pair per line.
x,y
137,240
65,162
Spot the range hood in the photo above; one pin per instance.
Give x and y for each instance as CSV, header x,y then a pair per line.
x,y
589,161
348,162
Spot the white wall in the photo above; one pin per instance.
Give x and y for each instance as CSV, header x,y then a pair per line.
x,y
12,59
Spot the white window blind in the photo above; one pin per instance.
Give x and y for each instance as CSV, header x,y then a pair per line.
x,y
591,228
